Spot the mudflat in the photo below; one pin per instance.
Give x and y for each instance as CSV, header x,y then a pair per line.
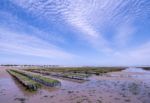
x,y
128,86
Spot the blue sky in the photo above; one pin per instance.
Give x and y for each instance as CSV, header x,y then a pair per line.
x,y
75,32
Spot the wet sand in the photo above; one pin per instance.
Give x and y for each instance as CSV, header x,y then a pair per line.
x,y
128,86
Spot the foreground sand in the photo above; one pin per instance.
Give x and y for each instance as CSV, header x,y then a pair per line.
x,y
127,86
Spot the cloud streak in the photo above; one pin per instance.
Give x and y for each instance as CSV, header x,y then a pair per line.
x,y
24,39
13,42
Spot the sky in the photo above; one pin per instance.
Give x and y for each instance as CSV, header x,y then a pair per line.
x,y
75,32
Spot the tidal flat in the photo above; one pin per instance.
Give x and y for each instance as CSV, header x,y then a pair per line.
x,y
92,85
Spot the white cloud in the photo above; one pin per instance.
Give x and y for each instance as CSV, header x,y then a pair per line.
x,y
75,13
22,38
15,42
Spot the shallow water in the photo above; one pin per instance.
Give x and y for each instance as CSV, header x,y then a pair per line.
x,y
133,69
117,87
